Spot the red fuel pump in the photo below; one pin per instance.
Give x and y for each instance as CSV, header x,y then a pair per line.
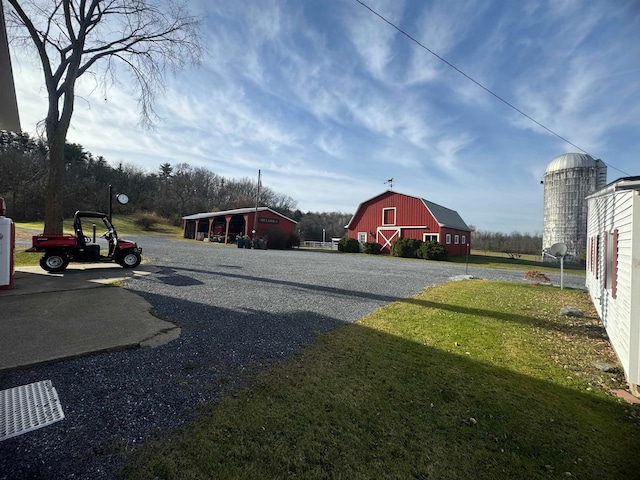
x,y
7,247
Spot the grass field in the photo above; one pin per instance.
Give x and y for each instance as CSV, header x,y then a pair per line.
x,y
483,258
473,379
124,224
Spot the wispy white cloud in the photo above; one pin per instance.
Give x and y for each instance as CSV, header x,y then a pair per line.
x,y
372,39
330,102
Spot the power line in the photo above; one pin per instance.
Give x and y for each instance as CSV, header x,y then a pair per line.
x,y
478,83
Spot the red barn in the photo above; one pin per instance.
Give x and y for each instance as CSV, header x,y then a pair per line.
x,y
230,223
391,215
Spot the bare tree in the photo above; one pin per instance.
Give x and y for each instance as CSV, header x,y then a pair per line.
x,y
78,37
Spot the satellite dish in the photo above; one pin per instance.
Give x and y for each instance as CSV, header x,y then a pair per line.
x,y
558,250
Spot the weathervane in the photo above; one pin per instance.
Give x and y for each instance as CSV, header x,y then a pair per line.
x,y
389,182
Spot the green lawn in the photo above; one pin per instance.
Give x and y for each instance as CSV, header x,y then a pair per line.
x,y
124,224
471,379
525,262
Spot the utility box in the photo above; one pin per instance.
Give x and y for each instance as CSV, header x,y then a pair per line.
x,y
7,247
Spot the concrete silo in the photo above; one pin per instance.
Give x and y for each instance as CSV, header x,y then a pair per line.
x,y
568,180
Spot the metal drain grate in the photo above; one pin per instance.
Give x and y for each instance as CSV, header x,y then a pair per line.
x,y
27,408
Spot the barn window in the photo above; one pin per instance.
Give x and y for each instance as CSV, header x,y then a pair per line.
x,y
389,216
448,239
464,239
430,237
456,239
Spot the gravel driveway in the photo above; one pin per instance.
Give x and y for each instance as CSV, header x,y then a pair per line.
x,y
240,311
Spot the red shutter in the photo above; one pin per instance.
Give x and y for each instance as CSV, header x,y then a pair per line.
x,y
605,257
597,257
614,265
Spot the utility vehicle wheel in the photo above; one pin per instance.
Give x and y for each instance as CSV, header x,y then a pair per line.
x,y
130,259
54,261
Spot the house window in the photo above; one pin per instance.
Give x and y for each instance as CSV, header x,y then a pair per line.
x,y
389,216
448,239
464,239
430,237
456,239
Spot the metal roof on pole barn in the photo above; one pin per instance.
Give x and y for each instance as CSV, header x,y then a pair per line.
x,y
237,211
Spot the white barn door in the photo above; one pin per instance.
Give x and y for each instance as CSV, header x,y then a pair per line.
x,y
386,236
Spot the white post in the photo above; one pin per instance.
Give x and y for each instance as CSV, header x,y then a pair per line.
x,y
466,271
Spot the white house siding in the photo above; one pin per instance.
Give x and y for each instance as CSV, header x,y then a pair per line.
x,y
609,211
634,290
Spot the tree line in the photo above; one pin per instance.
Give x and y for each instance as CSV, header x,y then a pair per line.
x,y
97,39
513,243
171,192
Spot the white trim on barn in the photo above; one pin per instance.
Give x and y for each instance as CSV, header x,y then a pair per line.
x,y
613,267
387,239
384,214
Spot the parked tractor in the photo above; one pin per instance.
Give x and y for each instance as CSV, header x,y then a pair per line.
x,y
59,250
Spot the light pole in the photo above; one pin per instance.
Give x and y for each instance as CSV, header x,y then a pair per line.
x,y
122,199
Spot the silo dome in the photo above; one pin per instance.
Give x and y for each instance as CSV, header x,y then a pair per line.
x,y
568,180
571,160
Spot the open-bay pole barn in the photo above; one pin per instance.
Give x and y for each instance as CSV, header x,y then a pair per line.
x,y
391,215
227,225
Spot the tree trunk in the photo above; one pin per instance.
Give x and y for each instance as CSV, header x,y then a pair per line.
x,y
54,212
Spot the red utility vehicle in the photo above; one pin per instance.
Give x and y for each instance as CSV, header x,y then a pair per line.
x,y
59,250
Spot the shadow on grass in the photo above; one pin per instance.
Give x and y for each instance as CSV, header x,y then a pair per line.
x,y
114,401
357,404
587,330
363,404
590,331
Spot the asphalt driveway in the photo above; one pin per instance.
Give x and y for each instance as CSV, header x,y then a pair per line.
x,y
239,310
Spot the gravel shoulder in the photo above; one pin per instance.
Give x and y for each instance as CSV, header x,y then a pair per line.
x,y
240,312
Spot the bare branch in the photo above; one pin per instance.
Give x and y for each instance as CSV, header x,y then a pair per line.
x,y
95,37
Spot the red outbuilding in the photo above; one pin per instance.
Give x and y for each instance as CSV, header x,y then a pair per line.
x,y
391,215
227,225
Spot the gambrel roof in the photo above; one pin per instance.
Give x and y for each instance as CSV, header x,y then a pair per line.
x,y
444,216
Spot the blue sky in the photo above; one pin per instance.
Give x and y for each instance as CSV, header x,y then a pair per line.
x,y
329,101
